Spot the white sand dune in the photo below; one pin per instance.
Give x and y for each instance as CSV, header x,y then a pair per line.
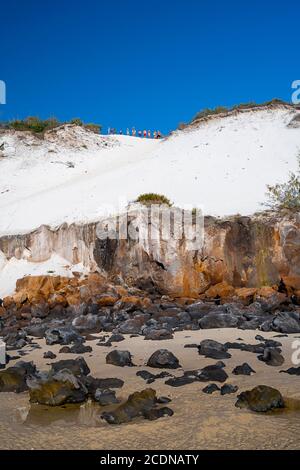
x,y
223,164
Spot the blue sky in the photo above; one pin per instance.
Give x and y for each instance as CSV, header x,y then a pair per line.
x,y
149,64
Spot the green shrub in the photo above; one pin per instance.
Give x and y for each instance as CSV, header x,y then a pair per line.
x,y
76,121
96,128
210,112
151,198
39,126
222,109
285,195
33,124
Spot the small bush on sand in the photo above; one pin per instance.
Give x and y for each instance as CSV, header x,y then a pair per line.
x,y
285,195
222,109
151,198
39,126
34,124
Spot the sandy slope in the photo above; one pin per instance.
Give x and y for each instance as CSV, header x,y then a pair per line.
x,y
223,164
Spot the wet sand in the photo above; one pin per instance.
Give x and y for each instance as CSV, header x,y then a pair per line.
x,y
200,421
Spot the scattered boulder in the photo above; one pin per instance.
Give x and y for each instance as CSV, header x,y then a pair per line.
x,y
213,349
155,413
260,399
62,335
13,379
79,348
180,381
163,359
105,397
93,384
116,338
56,388
272,357
292,371
76,366
137,404
158,335
228,389
163,400
213,373
150,378
49,355
15,340
286,322
87,323
243,369
211,388
65,350
119,358
218,320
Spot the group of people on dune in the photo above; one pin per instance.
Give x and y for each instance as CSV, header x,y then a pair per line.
x,y
145,134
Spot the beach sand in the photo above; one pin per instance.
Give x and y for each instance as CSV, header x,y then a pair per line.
x,y
200,421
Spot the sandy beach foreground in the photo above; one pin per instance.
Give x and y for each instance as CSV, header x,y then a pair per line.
x,y
200,421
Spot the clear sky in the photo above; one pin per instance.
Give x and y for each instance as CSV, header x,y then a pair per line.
x,y
149,64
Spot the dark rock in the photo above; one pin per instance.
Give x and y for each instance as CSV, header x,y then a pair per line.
x,y
158,335
15,340
218,320
253,348
36,330
131,326
260,338
163,359
49,355
213,350
150,378
156,413
137,404
79,348
93,383
213,373
267,325
13,379
116,338
286,322
40,310
228,389
119,358
65,350
199,310
270,343
55,389
163,400
76,366
180,381
243,369
211,388
191,345
169,322
87,323
252,324
272,302
292,371
260,399
105,397
272,357
62,335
